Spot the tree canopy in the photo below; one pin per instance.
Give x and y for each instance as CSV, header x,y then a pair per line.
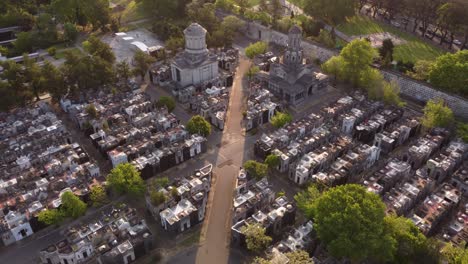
x,y
462,131
50,216
166,101
255,49
350,221
437,114
454,255
332,12
256,169
412,245
353,65
450,72
280,119
98,196
299,257
72,206
143,62
305,200
272,161
126,179
255,237
94,46
198,125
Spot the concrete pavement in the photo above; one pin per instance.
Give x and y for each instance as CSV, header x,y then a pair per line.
x,y
215,237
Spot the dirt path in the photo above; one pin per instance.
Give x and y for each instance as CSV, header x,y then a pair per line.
x,y
215,238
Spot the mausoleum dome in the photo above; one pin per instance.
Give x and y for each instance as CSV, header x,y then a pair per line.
x,y
195,39
195,30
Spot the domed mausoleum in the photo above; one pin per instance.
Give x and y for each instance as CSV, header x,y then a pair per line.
x,y
195,64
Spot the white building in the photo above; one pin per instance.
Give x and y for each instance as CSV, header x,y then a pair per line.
x,y
196,64
117,157
18,228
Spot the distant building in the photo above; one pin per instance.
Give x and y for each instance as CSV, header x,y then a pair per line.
x,y
196,64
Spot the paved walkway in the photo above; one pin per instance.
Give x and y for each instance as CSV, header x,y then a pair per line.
x,y
215,237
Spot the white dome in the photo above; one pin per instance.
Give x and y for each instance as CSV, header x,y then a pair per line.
x,y
195,39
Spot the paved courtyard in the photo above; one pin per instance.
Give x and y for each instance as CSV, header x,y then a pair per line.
x,y
122,44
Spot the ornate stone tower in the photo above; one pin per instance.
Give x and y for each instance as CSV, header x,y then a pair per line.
x,y
293,55
195,42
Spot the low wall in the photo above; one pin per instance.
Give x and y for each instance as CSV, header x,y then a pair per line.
x,y
422,92
258,32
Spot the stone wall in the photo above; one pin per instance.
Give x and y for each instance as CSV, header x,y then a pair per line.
x,y
422,92
258,32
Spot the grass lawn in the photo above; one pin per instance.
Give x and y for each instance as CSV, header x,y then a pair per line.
x,y
415,49
133,11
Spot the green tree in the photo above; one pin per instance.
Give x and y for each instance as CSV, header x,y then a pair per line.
x,y
162,182
167,101
198,125
305,200
23,43
421,70
15,88
334,66
157,197
333,12
126,179
203,13
455,255
326,38
84,73
449,72
350,221
45,33
229,28
98,196
299,257
387,49
72,206
91,111
462,131
143,62
52,81
174,43
123,72
163,8
94,46
280,119
32,75
70,32
272,161
259,260
253,70
412,245
50,216
256,169
372,81
255,49
436,114
277,11
243,5
391,91
94,12
255,237
357,56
